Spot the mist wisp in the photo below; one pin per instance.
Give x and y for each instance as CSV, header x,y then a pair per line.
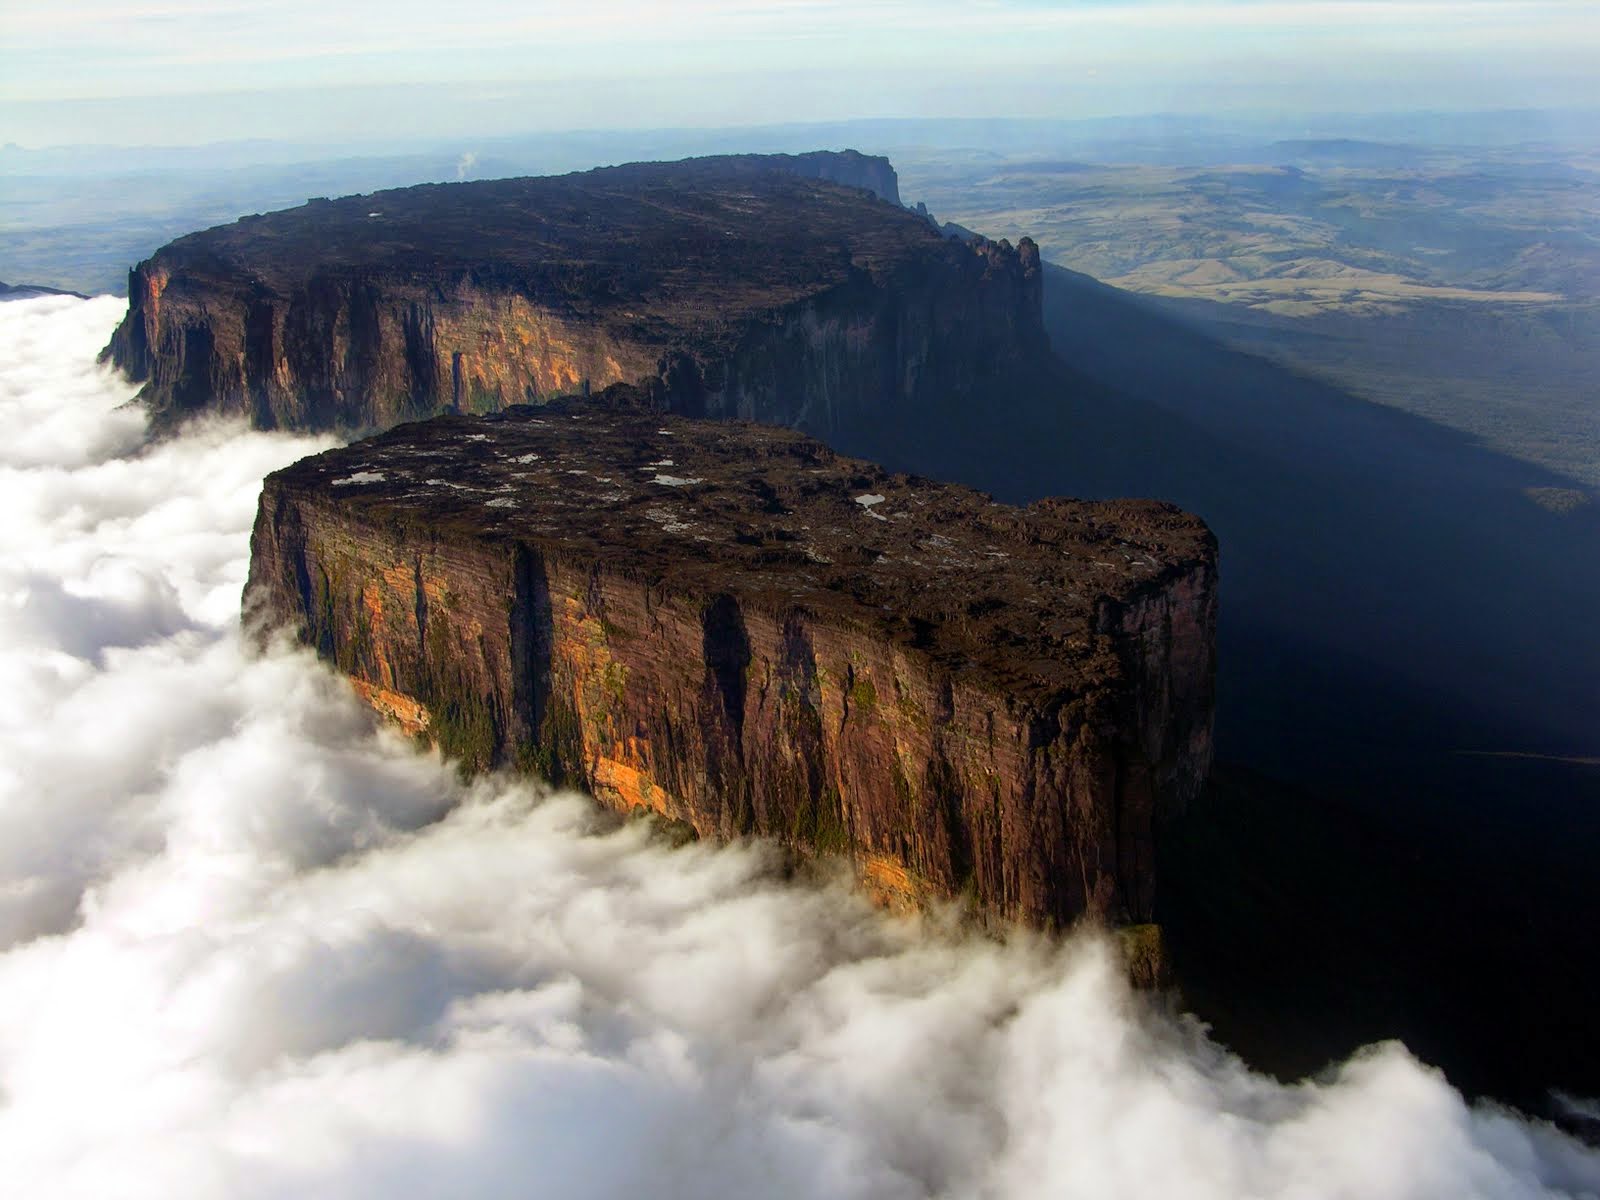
x,y
254,945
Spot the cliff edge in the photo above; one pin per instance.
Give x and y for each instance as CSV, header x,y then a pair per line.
x,y
791,289
740,629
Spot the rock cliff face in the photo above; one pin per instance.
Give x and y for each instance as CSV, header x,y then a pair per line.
x,y
737,628
754,286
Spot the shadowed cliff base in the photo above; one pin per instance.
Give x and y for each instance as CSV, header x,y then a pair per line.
x,y
1302,928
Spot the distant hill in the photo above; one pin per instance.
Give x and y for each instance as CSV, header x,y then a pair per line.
x,y
24,291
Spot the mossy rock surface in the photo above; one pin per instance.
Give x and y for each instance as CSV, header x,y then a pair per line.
x,y
1143,951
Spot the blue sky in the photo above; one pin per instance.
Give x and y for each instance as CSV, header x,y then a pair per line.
x,y
87,70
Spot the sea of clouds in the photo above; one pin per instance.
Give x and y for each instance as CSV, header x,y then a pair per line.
x,y
254,945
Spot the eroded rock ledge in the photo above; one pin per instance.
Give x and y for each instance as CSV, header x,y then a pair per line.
x,y
742,630
771,288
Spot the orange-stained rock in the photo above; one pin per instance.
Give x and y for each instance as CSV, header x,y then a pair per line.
x,y
405,711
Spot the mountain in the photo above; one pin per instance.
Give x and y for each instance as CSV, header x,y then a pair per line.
x,y
733,627
740,286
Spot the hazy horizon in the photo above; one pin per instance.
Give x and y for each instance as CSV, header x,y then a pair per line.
x,y
1489,125
179,72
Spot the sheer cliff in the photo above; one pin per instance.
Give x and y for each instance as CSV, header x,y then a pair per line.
x,y
787,289
743,631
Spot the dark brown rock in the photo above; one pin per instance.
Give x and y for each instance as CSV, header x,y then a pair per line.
x,y
869,172
737,628
751,286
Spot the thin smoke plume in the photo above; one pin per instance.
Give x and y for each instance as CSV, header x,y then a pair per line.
x,y
253,945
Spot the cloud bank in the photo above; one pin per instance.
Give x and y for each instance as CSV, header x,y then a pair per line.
x,y
253,946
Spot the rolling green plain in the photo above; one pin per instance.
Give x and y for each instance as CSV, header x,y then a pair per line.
x,y
1462,286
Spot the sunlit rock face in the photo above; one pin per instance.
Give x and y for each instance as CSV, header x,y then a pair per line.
x,y
745,632
788,289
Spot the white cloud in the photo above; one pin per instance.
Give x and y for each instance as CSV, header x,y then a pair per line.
x,y
252,946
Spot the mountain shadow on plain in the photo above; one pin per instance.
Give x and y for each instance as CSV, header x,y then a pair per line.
x,y
1397,842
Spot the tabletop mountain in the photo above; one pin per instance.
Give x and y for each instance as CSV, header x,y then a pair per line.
x,y
788,289
735,627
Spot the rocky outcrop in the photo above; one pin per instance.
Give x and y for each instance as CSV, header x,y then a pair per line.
x,y
776,288
738,629
870,172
